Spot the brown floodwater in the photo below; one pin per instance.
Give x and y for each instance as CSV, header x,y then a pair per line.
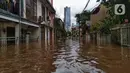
x,y
68,56
68,59
22,59
110,58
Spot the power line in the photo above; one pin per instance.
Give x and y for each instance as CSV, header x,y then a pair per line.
x,y
86,5
94,7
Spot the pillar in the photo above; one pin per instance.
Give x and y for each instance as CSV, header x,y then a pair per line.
x,y
27,40
43,37
17,34
121,38
37,35
3,34
49,37
52,38
46,37
24,8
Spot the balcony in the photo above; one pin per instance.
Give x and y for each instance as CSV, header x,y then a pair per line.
x,y
7,16
48,5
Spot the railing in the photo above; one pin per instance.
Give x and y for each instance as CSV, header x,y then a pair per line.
x,y
8,14
15,18
122,34
12,40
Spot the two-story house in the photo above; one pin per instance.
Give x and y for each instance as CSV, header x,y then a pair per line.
x,y
21,19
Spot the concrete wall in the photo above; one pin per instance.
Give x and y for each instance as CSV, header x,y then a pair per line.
x,y
46,37
3,34
49,37
3,31
39,8
24,10
95,18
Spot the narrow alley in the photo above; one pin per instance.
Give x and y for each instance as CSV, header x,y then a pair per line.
x,y
68,60
64,36
68,57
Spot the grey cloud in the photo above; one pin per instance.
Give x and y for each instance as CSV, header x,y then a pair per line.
x,y
76,7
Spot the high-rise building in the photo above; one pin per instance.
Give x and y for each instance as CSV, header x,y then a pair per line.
x,y
67,18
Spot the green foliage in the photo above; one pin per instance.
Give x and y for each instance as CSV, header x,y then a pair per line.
x,y
81,18
77,18
69,33
111,20
59,27
120,18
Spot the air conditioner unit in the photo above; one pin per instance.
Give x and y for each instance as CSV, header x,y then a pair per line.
x,y
48,18
40,18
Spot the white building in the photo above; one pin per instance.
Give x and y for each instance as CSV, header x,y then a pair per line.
x,y
32,19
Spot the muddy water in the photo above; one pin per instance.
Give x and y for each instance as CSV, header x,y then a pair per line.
x,y
87,57
69,56
110,58
68,59
14,59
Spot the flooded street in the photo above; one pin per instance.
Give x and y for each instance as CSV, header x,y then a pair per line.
x,y
69,56
25,60
68,59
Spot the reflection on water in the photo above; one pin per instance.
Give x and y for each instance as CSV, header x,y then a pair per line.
x,y
3,51
111,58
68,57
19,59
87,57
68,60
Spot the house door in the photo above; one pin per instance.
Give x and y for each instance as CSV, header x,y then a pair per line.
x,y
10,35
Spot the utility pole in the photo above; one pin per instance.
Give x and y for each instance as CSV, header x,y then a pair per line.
x,y
86,5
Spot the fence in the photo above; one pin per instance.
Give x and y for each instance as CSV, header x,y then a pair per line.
x,y
11,40
121,35
100,39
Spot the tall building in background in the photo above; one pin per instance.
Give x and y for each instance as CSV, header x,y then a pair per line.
x,y
67,18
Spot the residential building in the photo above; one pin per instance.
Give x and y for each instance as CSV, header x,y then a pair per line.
x,y
96,18
67,18
59,29
26,21
75,30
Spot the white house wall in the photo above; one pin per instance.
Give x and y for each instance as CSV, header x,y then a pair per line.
x,y
3,35
39,8
24,10
48,36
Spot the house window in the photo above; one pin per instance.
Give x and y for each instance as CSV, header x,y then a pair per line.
x,y
47,14
43,12
31,9
35,7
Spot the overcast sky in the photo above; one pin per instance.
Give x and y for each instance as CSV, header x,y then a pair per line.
x,y
76,7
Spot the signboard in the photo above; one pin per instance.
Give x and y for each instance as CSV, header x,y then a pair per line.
x,y
120,9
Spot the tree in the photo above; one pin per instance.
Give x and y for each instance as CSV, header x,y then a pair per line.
x,y
59,28
81,19
111,20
